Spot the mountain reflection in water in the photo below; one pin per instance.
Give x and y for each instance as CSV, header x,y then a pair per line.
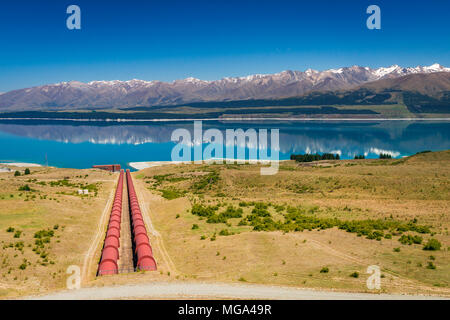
x,y
82,144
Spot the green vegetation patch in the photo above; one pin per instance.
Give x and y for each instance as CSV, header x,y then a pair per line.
x,y
172,193
302,218
206,182
410,239
93,188
210,213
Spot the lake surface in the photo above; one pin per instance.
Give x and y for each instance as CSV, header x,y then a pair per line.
x,y
75,144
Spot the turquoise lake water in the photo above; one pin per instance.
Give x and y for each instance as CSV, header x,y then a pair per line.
x,y
74,144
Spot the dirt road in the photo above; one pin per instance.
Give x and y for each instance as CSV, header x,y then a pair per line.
x,y
158,241
96,241
193,290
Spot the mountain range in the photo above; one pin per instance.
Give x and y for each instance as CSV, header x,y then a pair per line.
x,y
139,93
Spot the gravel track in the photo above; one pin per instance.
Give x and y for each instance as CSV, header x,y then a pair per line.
x,y
197,290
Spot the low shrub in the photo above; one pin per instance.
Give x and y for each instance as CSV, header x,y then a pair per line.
x,y
223,217
409,239
225,232
432,245
44,234
25,188
324,270
203,211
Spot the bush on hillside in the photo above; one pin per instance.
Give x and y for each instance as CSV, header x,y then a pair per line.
x,y
432,245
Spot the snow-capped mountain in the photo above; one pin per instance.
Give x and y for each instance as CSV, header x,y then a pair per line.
x,y
132,93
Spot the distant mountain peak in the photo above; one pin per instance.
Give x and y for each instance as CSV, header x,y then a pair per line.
x,y
436,67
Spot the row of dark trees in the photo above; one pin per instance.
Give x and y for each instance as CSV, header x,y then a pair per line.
x,y
329,156
314,157
385,156
17,173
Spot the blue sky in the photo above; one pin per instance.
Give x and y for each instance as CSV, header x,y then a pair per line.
x,y
168,40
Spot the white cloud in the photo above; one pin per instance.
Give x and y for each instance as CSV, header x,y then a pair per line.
x,y
394,154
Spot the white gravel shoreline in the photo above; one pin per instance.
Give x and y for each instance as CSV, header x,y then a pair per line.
x,y
21,164
233,119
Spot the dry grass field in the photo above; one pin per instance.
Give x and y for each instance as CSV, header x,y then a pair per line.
x,y
314,225
45,226
411,197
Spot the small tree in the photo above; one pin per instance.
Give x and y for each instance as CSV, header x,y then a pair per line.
x,y
27,171
17,174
